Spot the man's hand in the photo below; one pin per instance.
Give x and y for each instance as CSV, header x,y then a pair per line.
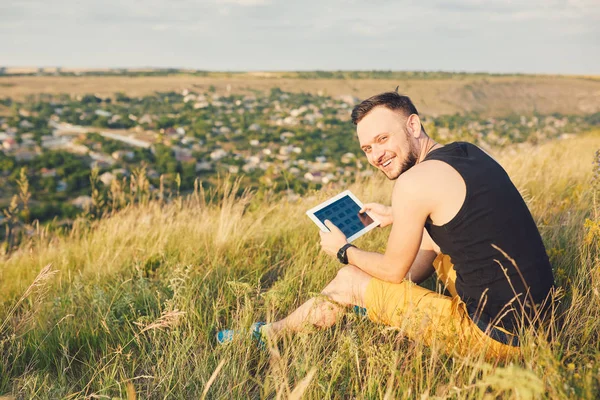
x,y
332,241
382,213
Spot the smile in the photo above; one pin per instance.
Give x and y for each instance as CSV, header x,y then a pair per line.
x,y
385,164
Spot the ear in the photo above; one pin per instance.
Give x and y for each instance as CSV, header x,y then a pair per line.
x,y
413,124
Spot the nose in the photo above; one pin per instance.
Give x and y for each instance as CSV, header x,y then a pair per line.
x,y
378,154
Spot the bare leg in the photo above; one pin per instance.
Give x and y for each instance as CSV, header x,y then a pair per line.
x,y
346,289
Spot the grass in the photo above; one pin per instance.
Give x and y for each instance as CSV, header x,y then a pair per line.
x,y
129,305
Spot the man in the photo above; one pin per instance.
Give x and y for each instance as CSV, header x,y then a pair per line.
x,y
454,211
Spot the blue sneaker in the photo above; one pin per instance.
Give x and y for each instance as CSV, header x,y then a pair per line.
x,y
360,311
227,335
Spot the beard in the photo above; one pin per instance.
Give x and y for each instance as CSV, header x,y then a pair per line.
x,y
408,163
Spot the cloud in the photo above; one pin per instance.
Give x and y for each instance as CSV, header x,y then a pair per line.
x,y
312,34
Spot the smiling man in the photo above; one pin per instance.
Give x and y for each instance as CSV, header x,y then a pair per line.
x,y
455,212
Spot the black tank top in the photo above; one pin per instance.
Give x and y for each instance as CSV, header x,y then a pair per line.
x,y
493,213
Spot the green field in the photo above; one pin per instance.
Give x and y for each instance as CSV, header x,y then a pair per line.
x,y
433,93
128,305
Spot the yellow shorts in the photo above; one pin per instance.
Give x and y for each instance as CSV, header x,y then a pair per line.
x,y
431,317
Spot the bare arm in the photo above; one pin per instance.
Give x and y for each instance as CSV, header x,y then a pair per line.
x,y
422,267
411,205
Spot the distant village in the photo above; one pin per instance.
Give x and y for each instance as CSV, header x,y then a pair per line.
x,y
282,141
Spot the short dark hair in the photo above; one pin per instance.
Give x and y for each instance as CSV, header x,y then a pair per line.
x,y
391,100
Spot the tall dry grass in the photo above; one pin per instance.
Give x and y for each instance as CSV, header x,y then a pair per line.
x,y
136,299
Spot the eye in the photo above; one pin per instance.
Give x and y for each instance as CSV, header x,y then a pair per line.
x,y
367,149
382,139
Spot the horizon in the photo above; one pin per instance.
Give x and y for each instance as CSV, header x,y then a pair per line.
x,y
29,69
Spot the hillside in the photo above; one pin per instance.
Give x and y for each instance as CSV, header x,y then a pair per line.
x,y
131,303
488,95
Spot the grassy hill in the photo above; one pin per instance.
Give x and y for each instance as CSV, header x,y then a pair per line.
x,y
131,303
487,94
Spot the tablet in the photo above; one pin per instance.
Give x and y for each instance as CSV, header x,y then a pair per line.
x,y
343,211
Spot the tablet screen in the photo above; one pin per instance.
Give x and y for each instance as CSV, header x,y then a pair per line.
x,y
344,214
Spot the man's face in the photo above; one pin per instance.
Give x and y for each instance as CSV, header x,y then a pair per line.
x,y
384,138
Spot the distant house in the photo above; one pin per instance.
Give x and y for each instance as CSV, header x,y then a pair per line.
x,y
107,178
145,119
82,202
25,155
247,168
183,154
100,160
9,143
115,118
286,135
218,154
289,121
347,158
285,150
187,140
120,172
312,176
103,113
76,148
200,104
48,173
189,97
26,124
123,154
185,158
203,166
170,132
152,174
253,160
349,99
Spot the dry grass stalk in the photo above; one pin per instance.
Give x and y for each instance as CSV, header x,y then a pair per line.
x,y
39,285
212,379
168,319
301,387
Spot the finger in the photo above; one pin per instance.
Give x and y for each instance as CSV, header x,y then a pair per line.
x,y
366,207
331,226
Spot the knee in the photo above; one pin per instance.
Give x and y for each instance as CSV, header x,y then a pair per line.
x,y
347,274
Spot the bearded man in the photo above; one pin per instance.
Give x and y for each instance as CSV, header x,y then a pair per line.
x,y
454,211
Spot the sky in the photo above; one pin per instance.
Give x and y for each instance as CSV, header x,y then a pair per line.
x,y
535,36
